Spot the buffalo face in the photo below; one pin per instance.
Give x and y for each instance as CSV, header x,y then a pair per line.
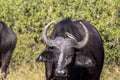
x,y
61,55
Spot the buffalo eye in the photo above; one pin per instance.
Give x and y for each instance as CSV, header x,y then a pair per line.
x,y
52,48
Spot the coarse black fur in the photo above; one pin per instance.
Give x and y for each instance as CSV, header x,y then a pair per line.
x,y
92,51
8,41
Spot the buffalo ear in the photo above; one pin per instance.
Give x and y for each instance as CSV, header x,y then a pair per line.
x,y
84,61
45,56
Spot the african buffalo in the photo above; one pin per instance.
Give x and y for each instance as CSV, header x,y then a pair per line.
x,y
74,51
7,44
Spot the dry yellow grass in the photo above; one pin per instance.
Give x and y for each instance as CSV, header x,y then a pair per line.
x,y
27,72
111,72
35,71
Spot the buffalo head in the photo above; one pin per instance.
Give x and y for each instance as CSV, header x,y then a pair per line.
x,y
60,51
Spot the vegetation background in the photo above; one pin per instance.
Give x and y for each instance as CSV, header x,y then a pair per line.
x,y
28,17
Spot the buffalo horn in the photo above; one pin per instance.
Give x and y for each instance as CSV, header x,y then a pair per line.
x,y
47,40
82,43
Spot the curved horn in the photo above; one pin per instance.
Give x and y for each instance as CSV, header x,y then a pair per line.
x,y
84,42
44,34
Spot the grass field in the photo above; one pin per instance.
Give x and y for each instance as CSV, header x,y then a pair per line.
x,y
28,17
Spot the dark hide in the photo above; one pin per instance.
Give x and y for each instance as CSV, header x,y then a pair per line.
x,y
86,63
7,44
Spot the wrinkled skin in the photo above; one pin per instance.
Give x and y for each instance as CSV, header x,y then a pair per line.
x,y
63,61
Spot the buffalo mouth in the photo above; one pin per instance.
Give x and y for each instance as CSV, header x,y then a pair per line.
x,y
60,78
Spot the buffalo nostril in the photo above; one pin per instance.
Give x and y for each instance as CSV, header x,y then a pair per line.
x,y
60,73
